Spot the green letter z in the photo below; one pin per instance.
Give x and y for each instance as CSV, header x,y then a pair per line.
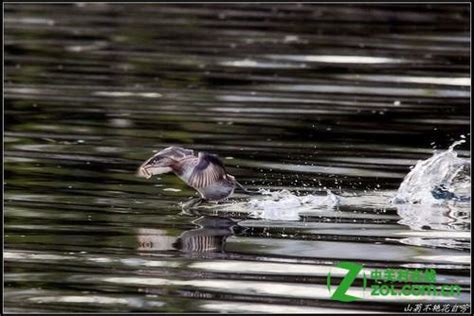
x,y
340,293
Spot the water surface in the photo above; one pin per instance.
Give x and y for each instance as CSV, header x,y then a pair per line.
x,y
304,98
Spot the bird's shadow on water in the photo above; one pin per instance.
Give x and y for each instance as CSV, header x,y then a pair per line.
x,y
208,237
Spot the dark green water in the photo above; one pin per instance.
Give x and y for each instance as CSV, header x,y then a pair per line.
x,y
295,97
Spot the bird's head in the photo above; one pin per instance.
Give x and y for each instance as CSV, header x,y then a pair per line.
x,y
157,164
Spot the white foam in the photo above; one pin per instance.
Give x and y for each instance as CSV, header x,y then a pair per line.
x,y
284,205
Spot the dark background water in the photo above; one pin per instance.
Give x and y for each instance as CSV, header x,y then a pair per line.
x,y
291,96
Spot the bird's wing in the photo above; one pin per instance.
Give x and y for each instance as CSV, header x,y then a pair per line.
x,y
208,169
162,161
170,153
175,153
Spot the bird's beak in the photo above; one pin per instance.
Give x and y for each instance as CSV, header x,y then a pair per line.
x,y
143,172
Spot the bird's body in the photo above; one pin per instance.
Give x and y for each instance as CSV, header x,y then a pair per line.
x,y
205,172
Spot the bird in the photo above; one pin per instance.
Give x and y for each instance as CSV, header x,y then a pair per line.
x,y
205,172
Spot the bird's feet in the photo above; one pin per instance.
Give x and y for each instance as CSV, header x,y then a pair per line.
x,y
244,190
187,207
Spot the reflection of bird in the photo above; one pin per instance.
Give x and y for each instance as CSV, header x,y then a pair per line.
x,y
210,237
205,173
152,239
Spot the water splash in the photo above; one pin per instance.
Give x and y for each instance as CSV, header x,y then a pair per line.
x,y
284,205
441,178
436,193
